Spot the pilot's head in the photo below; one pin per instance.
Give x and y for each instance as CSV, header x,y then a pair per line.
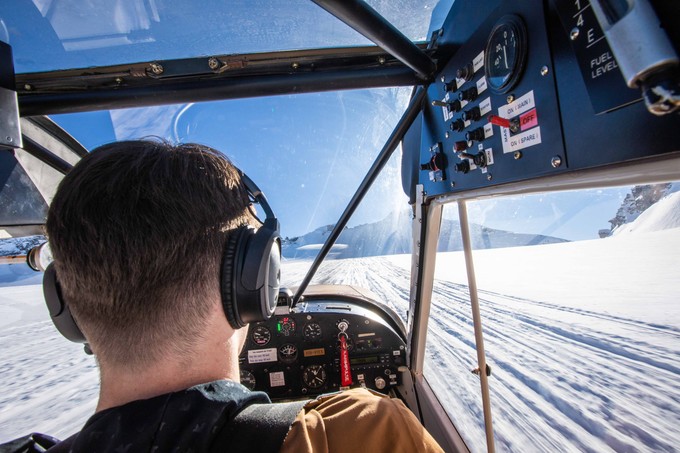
x,y
137,231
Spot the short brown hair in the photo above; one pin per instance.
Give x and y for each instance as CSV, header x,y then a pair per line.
x,y
137,230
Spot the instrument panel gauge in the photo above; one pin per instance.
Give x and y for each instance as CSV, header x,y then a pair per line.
x,y
288,353
314,376
248,379
311,331
286,326
261,335
505,54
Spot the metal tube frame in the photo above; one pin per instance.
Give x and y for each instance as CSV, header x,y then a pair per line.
x,y
365,20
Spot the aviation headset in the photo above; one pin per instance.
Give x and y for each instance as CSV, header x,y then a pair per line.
x,y
249,276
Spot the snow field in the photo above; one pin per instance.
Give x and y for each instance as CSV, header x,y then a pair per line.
x,y
583,339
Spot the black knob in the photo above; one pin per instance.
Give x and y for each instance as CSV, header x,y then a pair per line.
x,y
454,106
458,125
468,95
475,135
466,72
462,167
460,146
472,114
451,86
437,162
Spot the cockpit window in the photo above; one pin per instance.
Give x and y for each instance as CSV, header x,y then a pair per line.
x,y
66,34
578,299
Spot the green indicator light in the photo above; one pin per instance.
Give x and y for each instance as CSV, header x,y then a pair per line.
x,y
278,327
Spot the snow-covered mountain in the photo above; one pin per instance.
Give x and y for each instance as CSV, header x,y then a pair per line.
x,y
662,215
392,236
639,200
19,246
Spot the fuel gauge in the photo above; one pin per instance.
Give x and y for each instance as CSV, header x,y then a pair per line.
x,y
505,54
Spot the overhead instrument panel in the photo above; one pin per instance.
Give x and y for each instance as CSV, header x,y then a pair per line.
x,y
301,353
533,89
492,109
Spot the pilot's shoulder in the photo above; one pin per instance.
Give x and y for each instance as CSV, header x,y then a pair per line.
x,y
360,420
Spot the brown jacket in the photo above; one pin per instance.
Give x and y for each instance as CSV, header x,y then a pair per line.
x,y
357,420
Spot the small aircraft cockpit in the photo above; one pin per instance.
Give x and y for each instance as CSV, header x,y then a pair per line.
x,y
479,200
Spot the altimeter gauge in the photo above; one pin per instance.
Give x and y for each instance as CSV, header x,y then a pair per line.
x,y
505,54
261,335
312,331
248,379
314,376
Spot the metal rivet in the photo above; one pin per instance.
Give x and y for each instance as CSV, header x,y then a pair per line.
x,y
295,65
213,63
9,139
447,134
28,87
453,184
573,34
517,155
544,71
556,161
381,60
157,68
510,98
443,79
489,177
119,80
366,321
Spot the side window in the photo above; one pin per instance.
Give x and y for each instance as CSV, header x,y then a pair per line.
x,y
578,294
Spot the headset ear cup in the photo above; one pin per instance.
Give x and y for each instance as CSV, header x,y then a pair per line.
x,y
257,286
227,279
58,308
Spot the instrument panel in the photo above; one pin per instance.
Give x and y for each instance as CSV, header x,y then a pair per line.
x,y
299,353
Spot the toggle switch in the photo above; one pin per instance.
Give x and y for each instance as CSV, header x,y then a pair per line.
x,y
452,106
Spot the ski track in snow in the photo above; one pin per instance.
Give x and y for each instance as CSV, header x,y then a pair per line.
x,y
564,378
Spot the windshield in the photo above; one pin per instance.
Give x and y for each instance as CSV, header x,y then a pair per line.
x,y
63,34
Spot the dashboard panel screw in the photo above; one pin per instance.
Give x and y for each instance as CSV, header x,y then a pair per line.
x,y
213,63
295,65
573,34
157,68
544,71
510,98
517,155
556,161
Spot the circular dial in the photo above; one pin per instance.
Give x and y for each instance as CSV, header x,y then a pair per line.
x,y
505,54
312,331
288,353
314,376
286,326
261,335
248,379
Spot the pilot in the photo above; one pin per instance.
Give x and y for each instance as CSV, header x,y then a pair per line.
x,y
138,232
